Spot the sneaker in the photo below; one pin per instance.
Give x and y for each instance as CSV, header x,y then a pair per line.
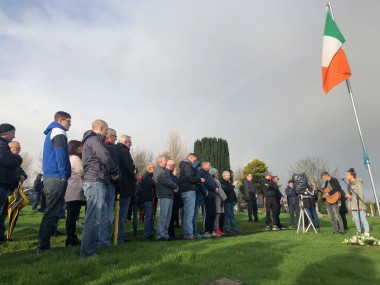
x,y
191,238
198,236
275,228
268,228
215,235
219,232
367,234
207,235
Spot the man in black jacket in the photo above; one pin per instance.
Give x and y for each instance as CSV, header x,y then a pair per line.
x,y
210,207
333,209
269,189
187,185
251,197
99,169
127,184
9,172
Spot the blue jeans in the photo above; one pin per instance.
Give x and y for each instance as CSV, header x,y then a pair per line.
x,y
123,213
95,193
4,193
363,220
148,219
163,220
106,220
55,189
312,212
188,208
195,218
37,199
229,217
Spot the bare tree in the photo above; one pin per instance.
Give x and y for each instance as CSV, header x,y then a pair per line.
x,y
27,166
313,166
176,150
141,157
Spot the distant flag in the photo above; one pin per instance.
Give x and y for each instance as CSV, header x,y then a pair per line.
x,y
335,68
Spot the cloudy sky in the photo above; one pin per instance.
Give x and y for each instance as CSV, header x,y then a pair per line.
x,y
245,71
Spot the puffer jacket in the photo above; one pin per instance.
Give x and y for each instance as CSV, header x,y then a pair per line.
x,y
10,165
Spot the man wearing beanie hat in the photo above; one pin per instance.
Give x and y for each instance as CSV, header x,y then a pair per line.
x,y
57,170
9,170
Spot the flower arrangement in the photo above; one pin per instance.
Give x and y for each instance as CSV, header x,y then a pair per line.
x,y
362,239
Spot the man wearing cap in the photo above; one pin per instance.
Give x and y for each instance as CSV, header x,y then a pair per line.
x,y
269,191
57,170
293,204
9,172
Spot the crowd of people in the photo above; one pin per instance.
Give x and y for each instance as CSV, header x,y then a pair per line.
x,y
94,171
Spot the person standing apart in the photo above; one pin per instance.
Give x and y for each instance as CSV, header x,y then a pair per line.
x,y
74,196
251,197
355,190
9,172
333,209
99,168
57,170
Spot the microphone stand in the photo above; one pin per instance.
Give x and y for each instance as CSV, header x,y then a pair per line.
x,y
349,189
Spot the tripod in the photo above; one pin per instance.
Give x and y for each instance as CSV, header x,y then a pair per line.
x,y
302,217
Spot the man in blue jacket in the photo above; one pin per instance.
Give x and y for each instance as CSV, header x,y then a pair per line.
x,y
57,170
9,172
293,204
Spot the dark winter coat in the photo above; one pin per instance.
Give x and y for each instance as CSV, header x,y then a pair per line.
x,y
250,190
127,179
229,189
269,188
292,196
98,164
112,150
187,178
164,183
38,185
309,200
147,187
10,165
209,183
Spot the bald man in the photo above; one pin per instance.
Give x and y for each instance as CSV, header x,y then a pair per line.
x,y
99,169
15,148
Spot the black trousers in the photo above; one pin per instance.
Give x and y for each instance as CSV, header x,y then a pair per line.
x,y
175,215
271,205
252,209
210,214
73,210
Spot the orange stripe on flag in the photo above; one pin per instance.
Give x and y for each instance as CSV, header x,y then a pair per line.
x,y
338,71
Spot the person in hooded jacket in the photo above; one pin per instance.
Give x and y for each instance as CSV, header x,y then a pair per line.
x,y
219,203
57,170
99,168
9,172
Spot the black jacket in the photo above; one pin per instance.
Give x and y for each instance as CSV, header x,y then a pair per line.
x,y
334,185
98,164
309,199
112,150
38,185
250,190
269,188
147,187
187,179
127,180
209,183
229,190
10,165
164,183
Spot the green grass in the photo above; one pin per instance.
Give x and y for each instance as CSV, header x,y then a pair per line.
x,y
254,257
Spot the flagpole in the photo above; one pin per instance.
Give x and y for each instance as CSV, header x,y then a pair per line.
x,y
365,154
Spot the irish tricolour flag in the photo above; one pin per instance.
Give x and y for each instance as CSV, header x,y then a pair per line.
x,y
335,68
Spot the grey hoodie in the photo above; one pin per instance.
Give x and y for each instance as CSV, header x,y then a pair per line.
x,y
98,164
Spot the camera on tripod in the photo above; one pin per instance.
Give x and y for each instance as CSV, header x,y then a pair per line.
x,y
300,182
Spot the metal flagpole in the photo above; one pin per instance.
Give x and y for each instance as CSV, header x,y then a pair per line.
x,y
365,154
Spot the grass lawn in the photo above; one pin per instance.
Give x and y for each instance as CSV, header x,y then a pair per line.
x,y
253,257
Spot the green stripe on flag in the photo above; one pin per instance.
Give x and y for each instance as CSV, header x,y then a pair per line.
x,y
331,29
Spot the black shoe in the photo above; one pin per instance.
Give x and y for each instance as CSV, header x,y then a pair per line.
x,y
3,238
127,240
